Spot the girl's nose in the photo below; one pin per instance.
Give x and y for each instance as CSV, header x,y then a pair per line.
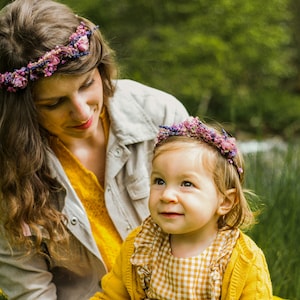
x,y
79,110
169,195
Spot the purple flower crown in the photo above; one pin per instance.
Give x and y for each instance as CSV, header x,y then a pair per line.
x,y
194,128
46,65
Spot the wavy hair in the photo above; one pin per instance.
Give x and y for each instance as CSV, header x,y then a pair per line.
x,y
28,193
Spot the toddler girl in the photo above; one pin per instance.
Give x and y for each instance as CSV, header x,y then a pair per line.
x,y
192,247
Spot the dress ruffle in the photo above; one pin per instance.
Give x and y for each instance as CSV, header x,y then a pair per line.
x,y
220,260
147,248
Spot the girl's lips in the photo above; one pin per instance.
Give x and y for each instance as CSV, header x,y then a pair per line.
x,y
85,125
170,214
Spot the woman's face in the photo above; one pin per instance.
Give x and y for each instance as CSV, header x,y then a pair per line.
x,y
69,105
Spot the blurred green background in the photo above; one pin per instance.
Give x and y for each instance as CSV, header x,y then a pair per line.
x,y
236,62
232,61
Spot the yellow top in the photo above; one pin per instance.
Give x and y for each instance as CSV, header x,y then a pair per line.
x,y
245,277
91,194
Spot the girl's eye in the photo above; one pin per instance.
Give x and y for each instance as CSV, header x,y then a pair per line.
x,y
187,184
158,181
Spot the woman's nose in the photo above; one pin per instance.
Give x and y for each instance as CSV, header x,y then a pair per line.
x,y
79,109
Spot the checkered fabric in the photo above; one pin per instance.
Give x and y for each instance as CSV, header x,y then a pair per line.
x,y
166,277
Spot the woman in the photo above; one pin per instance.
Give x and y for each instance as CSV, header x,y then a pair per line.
x,y
76,149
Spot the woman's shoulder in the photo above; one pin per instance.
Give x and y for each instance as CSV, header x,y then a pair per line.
x,y
143,94
137,88
162,107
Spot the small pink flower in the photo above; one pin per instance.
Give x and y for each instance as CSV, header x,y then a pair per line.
x,y
53,61
83,44
19,81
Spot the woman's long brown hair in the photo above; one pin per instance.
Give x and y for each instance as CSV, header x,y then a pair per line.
x,y
28,193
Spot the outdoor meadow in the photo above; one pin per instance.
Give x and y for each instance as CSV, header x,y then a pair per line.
x,y
274,175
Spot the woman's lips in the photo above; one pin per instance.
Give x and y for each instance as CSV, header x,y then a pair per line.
x,y
85,125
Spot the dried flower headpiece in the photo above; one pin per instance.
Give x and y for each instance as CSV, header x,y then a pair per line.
x,y
196,129
46,65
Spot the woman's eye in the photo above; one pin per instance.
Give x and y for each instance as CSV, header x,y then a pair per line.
x,y
187,184
52,105
88,83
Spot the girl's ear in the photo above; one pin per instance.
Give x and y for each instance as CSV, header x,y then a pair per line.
x,y
228,202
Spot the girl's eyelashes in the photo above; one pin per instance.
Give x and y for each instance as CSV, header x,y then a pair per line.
x,y
187,184
158,181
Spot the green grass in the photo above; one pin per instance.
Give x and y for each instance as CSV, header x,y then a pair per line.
x,y
274,176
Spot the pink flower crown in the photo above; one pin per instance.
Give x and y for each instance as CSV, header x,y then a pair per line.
x,y
194,128
46,65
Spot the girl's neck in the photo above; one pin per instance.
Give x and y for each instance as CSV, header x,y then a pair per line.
x,y
183,246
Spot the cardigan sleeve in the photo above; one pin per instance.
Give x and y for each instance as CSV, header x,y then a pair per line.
x,y
120,282
247,276
258,283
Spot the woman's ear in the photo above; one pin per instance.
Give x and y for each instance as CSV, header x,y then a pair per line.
x,y
228,202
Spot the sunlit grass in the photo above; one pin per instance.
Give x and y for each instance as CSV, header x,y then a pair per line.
x,y
274,176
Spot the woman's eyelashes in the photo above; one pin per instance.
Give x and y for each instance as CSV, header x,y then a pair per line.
x,y
88,83
55,103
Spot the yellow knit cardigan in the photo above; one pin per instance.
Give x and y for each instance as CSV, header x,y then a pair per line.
x,y
246,276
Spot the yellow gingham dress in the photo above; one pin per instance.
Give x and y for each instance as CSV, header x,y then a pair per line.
x,y
166,277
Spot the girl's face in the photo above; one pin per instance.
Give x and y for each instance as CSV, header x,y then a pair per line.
x,y
69,105
183,197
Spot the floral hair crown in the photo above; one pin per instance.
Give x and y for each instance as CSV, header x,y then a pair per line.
x,y
194,128
46,65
